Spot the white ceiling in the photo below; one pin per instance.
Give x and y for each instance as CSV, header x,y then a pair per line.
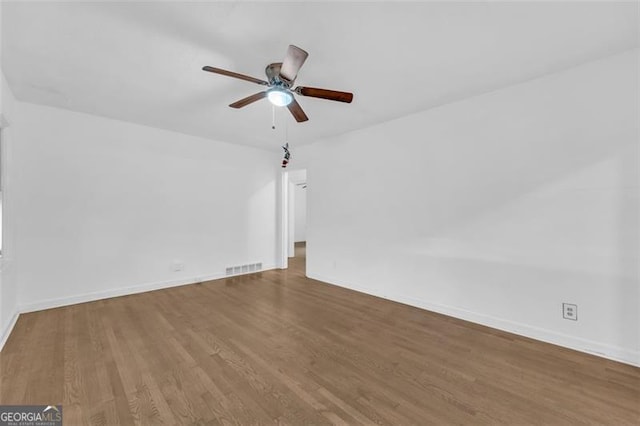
x,y
141,61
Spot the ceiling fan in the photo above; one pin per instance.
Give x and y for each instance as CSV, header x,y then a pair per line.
x,y
280,76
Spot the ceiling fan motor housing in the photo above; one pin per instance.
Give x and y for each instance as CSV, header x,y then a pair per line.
x,y
273,75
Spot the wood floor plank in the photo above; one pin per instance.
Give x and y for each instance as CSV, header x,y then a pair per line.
x,y
277,347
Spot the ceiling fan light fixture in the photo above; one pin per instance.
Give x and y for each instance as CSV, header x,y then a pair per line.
x,y
280,78
279,97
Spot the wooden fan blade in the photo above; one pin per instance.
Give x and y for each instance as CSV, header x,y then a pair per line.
x,y
297,112
292,62
332,95
248,100
234,75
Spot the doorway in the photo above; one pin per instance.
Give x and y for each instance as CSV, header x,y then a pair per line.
x,y
294,216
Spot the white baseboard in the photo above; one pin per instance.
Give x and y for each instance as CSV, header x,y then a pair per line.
x,y
4,334
123,291
614,353
583,345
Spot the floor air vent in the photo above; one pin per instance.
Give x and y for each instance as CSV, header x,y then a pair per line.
x,y
243,269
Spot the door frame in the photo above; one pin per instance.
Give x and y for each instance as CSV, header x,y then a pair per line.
x,y
284,208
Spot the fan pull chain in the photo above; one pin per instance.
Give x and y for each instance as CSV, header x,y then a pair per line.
x,y
273,117
286,132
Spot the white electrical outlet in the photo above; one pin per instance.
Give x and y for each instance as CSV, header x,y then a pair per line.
x,y
178,266
570,311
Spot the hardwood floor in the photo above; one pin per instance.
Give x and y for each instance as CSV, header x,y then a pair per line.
x,y
276,347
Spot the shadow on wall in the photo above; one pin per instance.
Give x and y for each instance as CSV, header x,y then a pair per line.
x,y
628,239
528,194
571,238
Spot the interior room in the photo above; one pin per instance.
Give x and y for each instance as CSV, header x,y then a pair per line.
x,y
400,213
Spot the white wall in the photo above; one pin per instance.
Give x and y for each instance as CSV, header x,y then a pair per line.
x,y
300,214
8,282
106,207
495,209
